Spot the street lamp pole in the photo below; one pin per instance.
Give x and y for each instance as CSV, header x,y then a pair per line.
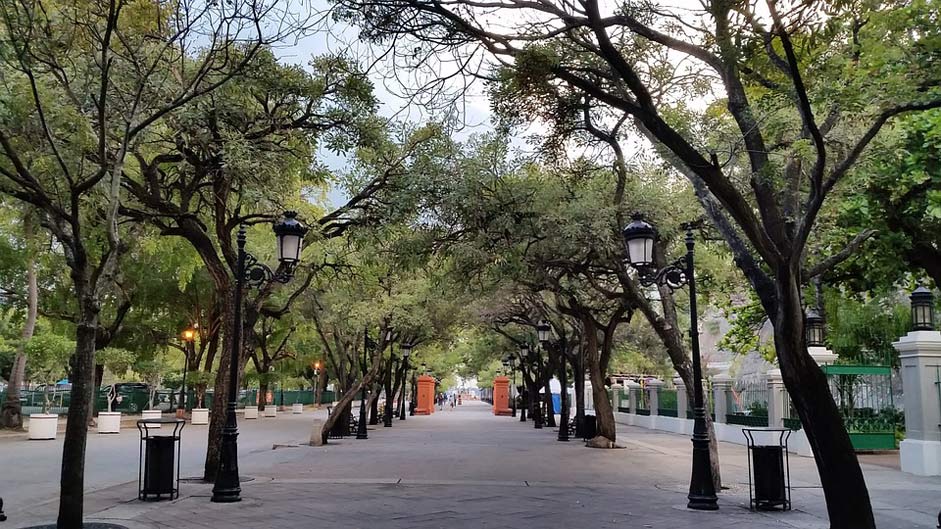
x,y
406,351
544,333
248,271
639,237
524,401
189,336
513,399
387,416
361,432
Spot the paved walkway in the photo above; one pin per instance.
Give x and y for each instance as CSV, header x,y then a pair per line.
x,y
469,469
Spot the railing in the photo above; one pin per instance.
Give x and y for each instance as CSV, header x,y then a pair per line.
x,y
643,401
667,405
748,403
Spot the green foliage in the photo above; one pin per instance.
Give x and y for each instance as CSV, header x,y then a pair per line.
x,y
862,331
48,356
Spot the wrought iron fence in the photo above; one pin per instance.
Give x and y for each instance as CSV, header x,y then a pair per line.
x,y
864,396
748,403
643,401
666,403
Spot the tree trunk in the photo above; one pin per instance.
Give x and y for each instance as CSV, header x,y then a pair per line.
x,y
372,403
342,409
262,395
844,487
550,408
604,413
321,384
11,413
220,391
72,489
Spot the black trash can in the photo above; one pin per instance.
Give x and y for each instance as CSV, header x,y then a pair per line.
x,y
769,480
159,473
589,427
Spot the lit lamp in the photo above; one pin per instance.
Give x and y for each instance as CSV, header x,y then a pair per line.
x,y
922,309
816,330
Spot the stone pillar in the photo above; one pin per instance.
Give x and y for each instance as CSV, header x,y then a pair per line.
x,y
426,396
653,386
822,355
681,399
589,397
920,357
632,389
501,396
721,384
616,396
776,392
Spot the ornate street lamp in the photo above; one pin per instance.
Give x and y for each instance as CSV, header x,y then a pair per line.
x,y
513,397
922,309
249,272
544,332
524,359
406,351
387,415
816,330
189,339
639,238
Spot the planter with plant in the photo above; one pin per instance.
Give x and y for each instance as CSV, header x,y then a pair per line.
x,y
48,355
151,372
116,361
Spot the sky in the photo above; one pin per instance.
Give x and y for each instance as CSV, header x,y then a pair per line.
x,y
340,38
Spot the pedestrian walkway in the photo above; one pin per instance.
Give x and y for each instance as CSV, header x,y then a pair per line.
x,y
469,469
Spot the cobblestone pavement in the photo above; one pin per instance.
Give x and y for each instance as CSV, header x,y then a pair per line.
x,y
469,469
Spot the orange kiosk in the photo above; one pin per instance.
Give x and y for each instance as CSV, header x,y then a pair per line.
x,y
426,396
501,396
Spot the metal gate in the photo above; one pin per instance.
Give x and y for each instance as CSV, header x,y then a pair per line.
x,y
864,396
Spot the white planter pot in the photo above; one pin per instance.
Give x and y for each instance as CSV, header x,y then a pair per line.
x,y
152,414
200,416
43,426
251,412
297,408
271,410
109,422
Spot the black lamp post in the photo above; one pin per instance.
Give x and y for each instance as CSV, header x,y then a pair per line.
x,y
189,338
387,416
544,333
815,331
536,402
513,397
922,309
249,272
639,238
406,351
316,380
524,358
361,432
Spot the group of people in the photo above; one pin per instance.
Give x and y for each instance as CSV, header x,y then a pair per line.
x,y
444,398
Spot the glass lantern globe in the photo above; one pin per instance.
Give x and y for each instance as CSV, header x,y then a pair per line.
x,y
639,237
290,233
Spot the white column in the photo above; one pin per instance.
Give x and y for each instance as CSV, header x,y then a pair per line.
x,y
632,389
920,356
721,384
822,355
775,399
616,396
653,386
589,397
681,398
